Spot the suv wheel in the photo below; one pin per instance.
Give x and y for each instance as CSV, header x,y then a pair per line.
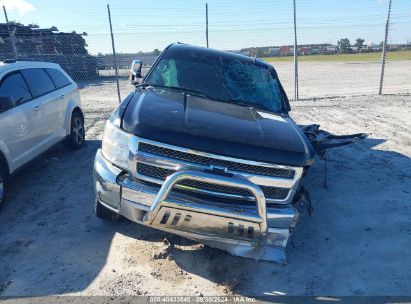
x,y
77,134
105,213
3,185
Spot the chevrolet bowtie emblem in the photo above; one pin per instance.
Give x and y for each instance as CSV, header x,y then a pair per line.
x,y
218,169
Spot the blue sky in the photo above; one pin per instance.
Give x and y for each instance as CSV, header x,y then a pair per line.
x,y
142,25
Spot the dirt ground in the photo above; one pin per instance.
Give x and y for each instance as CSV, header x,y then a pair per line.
x,y
356,242
345,78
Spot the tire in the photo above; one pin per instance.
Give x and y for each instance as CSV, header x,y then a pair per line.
x,y
3,185
77,133
104,213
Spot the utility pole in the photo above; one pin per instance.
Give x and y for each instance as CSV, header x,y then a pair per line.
x,y
114,53
207,23
11,34
384,48
295,56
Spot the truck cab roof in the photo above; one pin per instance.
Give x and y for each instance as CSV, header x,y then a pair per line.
x,y
184,48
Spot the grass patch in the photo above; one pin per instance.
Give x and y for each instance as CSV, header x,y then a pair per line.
x,y
401,55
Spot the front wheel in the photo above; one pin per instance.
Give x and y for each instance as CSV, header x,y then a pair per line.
x,y
3,185
77,133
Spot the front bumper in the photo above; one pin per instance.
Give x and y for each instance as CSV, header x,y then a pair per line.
x,y
257,232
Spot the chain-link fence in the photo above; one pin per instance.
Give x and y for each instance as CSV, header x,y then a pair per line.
x,y
339,46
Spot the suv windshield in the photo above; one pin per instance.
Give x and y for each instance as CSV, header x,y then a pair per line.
x,y
220,78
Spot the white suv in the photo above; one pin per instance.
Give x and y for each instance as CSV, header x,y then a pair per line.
x,y
39,107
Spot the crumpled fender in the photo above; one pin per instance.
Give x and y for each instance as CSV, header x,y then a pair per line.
x,y
322,140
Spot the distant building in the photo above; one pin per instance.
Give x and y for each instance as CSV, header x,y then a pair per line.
x,y
275,51
286,51
372,47
304,50
106,61
331,49
315,51
393,47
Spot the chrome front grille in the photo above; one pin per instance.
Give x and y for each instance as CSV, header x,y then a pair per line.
x,y
153,162
189,185
207,161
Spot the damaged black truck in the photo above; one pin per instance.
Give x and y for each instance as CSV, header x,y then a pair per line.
x,y
205,148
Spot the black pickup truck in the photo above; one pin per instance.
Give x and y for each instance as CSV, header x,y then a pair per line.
x,y
204,148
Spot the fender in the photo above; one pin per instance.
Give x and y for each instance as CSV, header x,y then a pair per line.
x,y
72,104
322,140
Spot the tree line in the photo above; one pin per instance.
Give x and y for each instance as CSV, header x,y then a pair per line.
x,y
344,45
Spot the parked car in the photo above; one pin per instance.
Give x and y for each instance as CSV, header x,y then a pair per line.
x,y
39,107
205,148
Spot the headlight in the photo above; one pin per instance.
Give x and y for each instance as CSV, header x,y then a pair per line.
x,y
115,146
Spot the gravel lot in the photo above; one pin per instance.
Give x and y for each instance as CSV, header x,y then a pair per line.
x,y
345,78
355,243
337,78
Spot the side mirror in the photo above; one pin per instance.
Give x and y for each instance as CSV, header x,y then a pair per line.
x,y
135,71
6,103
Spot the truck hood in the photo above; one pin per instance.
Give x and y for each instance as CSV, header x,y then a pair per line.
x,y
171,117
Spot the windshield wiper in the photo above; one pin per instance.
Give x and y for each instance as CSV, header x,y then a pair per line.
x,y
188,90
245,104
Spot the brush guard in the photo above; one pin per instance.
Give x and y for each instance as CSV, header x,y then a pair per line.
x,y
207,220
239,232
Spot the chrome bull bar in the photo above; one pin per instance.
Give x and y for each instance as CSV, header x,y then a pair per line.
x,y
259,220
